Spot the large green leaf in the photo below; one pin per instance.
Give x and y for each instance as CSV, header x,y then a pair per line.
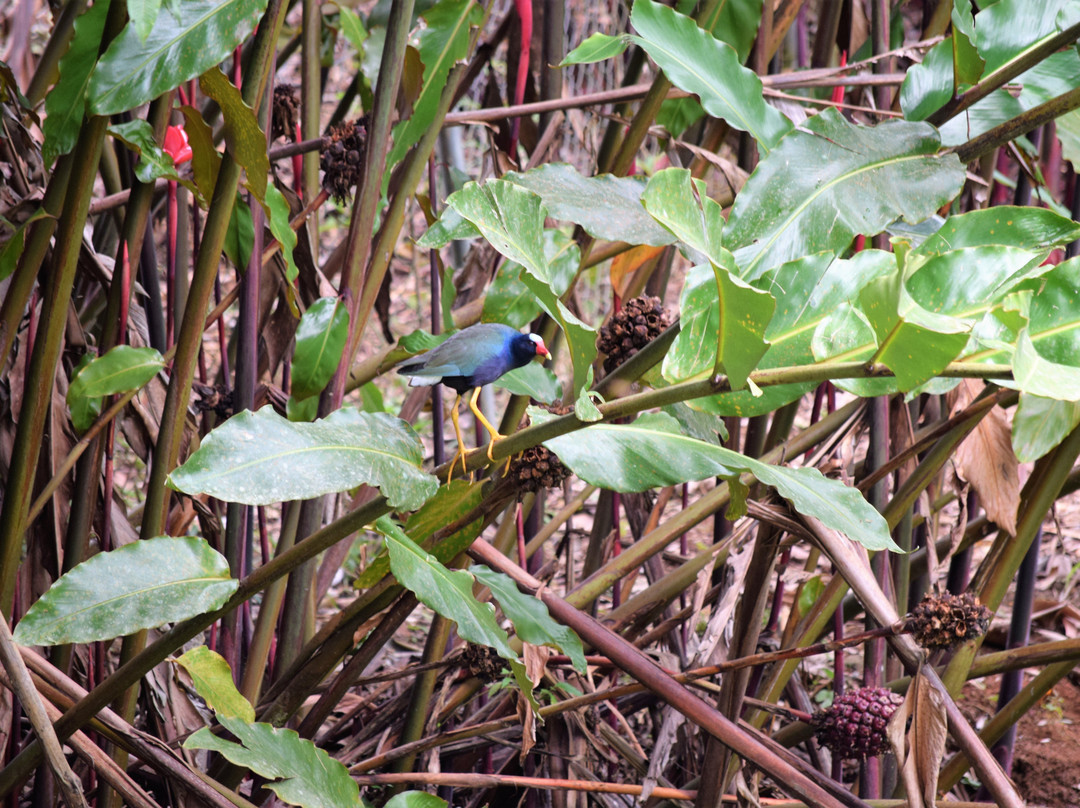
x,y
831,180
257,458
929,85
298,771
320,338
415,799
597,48
696,61
652,452
533,380
979,118
451,503
1031,228
447,592
141,585
511,218
683,207
531,619
1040,424
143,14
442,42
122,369
722,325
968,64
204,32
736,23
732,315
1009,27
508,300
213,681
606,207
807,292
66,101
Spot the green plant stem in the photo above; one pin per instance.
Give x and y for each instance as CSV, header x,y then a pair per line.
x,y
266,623
1020,125
394,218
189,339
423,688
998,78
369,190
38,240
310,101
38,388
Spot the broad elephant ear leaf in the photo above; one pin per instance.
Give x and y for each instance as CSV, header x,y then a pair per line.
x,y
652,452
141,585
257,458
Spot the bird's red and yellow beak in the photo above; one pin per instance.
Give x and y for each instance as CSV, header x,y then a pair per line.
x,y
541,348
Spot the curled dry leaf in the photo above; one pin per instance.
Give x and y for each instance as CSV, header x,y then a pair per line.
x,y
917,733
986,459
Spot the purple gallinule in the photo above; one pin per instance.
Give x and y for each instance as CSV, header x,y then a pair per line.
x,y
471,358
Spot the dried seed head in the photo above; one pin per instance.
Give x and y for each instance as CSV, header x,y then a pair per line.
x,y
635,325
945,621
343,157
284,110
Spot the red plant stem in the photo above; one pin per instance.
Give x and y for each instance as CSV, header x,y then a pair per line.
x,y
524,12
298,168
170,263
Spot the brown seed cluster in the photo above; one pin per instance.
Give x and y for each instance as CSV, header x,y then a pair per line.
x,y
538,467
483,662
341,161
854,726
635,325
945,621
284,111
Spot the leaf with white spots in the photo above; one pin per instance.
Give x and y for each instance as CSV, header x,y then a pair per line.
x,y
257,458
141,585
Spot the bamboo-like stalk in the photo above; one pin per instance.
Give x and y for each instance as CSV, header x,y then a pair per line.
x,y
38,387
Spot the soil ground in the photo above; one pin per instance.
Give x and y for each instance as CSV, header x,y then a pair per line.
x,y
1046,766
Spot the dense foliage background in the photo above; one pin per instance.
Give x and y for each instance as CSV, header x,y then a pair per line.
x,y
807,272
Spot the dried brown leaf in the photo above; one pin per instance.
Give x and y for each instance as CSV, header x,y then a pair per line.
x,y
920,746
986,459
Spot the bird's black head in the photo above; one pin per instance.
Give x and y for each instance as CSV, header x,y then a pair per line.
x,y
524,347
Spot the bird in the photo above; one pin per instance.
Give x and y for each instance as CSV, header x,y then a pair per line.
x,y
469,359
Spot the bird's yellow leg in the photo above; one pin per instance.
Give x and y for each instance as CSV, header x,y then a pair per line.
x,y
460,440
492,431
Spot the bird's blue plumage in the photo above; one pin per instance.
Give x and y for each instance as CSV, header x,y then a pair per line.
x,y
473,357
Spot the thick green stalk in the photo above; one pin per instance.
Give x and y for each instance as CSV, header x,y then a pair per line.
x,y
369,190
189,339
39,380
412,172
1020,125
423,688
36,246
